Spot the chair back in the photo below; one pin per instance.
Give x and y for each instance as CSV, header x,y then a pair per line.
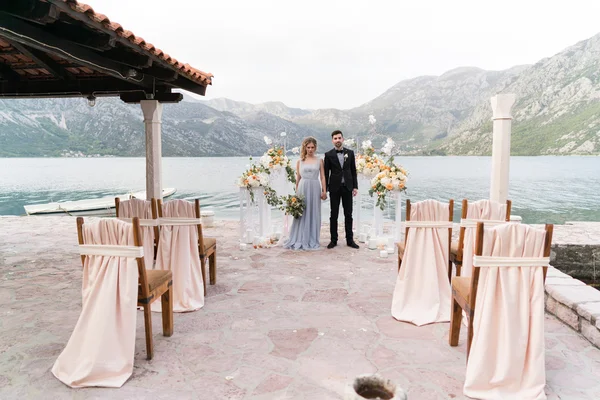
x,y
142,209
409,217
143,280
158,206
519,229
481,204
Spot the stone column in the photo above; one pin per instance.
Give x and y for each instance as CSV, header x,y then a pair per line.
x,y
501,106
152,110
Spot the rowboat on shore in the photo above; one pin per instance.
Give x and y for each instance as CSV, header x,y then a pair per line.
x,y
102,207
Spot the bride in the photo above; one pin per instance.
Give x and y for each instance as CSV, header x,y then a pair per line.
x,y
310,183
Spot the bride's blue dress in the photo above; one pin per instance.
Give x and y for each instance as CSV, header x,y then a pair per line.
x,y
306,229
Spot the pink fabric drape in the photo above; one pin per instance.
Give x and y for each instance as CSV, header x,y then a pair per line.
x,y
101,349
422,294
507,353
143,210
178,252
482,209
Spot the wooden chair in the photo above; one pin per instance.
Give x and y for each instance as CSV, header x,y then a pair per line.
x,y
402,245
456,248
464,290
207,247
152,285
154,216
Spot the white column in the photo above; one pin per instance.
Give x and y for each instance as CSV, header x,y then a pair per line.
x,y
501,106
152,110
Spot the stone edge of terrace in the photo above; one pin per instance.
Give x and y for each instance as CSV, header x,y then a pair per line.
x,y
574,303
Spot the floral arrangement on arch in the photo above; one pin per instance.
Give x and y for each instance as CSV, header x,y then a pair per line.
x,y
275,159
391,178
369,163
387,176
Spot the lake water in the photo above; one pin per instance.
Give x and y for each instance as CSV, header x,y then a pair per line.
x,y
543,189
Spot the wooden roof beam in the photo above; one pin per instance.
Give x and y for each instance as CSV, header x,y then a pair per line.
x,y
43,61
136,97
34,10
98,87
8,74
31,36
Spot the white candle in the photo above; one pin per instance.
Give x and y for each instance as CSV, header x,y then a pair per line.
x,y
243,246
391,242
249,235
391,250
372,244
362,237
383,254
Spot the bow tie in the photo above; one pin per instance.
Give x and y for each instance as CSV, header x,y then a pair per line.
x,y
339,151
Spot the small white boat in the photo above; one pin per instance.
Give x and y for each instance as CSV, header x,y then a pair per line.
x,y
102,207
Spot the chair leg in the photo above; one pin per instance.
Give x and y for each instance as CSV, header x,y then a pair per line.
x,y
148,326
202,263
470,334
399,263
212,267
450,272
458,268
167,311
455,322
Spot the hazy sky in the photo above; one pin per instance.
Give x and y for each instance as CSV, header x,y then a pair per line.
x,y
341,54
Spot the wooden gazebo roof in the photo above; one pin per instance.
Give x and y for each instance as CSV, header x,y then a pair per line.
x,y
62,48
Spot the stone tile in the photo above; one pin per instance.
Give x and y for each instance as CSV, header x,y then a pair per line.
x,y
590,332
564,313
273,383
328,295
290,343
589,311
552,281
572,295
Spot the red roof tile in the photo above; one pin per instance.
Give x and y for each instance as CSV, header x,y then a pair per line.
x,y
194,74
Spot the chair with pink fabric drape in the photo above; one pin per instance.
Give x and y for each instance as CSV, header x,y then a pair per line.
x,y
144,211
461,252
178,252
504,300
100,351
422,291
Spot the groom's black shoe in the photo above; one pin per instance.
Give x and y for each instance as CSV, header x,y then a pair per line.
x,y
353,245
331,245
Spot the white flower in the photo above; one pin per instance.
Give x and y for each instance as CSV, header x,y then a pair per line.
x,y
346,156
372,120
282,134
267,140
350,142
366,144
296,150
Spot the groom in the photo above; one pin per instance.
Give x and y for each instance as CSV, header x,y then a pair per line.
x,y
342,184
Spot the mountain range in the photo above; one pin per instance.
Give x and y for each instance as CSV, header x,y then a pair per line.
x,y
557,112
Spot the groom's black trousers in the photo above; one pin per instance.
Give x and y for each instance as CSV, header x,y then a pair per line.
x,y
345,196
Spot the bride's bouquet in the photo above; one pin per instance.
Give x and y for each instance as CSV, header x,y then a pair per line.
x,y
294,205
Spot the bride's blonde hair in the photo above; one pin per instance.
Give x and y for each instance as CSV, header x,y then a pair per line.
x,y
305,143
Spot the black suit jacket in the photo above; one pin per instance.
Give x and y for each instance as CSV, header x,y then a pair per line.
x,y
334,172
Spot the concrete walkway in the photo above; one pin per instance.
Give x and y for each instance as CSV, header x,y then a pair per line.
x,y
278,325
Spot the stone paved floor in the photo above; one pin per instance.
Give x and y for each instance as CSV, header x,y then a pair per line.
x,y
278,325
